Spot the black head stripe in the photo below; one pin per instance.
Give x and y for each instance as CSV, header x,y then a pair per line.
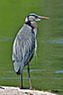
x,y
29,23
33,15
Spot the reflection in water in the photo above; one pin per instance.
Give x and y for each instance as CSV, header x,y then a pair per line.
x,y
42,82
16,78
58,78
5,38
23,77
58,41
11,71
59,72
31,70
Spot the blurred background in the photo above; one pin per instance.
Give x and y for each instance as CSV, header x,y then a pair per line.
x,y
47,67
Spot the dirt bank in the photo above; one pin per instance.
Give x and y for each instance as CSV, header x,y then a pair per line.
x,y
4,90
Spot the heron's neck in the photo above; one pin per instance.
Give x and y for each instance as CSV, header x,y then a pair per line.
x,y
35,28
33,25
28,22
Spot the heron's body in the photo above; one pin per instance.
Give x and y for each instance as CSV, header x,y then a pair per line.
x,y
24,45
23,48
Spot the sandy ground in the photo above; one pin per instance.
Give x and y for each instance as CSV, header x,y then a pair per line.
x,y
4,90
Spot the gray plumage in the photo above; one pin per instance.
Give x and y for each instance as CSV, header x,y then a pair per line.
x,y
23,48
24,45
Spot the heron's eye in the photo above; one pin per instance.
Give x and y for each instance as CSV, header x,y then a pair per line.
x,y
36,17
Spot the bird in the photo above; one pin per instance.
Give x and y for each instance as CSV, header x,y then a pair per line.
x,y
25,44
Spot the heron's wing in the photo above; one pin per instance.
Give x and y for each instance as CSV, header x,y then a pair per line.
x,y
23,47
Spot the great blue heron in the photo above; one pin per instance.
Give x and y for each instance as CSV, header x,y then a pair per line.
x,y
24,45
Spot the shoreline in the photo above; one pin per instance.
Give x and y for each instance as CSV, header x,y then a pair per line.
x,y
5,90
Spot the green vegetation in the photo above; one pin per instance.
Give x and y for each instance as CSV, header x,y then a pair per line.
x,y
50,43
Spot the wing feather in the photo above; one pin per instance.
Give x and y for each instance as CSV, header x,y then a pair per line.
x,y
23,47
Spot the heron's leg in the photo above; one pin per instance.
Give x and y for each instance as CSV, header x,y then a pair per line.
x,y
29,77
21,81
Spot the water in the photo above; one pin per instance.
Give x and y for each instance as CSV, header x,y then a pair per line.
x,y
58,78
18,78
47,69
57,41
31,70
5,38
59,72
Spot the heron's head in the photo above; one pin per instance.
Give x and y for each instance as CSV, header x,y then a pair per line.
x,y
34,17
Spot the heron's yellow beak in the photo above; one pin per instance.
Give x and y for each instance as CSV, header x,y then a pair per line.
x,y
43,17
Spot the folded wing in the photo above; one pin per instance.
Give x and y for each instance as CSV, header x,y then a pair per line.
x,y
23,48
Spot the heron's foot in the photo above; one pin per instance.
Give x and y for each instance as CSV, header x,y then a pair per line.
x,y
22,87
31,88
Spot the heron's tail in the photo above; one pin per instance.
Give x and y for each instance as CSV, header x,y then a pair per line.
x,y
18,67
